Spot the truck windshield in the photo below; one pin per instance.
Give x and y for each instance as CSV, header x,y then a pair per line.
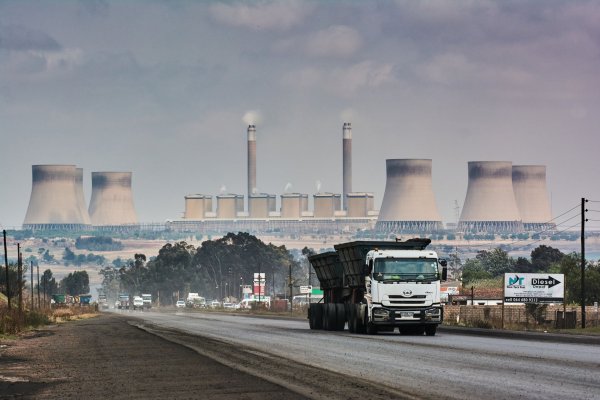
x,y
405,269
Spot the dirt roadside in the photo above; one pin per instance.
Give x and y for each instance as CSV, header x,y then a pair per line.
x,y
105,357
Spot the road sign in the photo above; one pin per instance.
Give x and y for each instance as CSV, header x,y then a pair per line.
x,y
534,288
305,289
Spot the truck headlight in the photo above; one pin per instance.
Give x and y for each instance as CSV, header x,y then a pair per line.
x,y
432,312
381,313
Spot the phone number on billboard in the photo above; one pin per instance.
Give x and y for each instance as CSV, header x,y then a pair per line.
x,y
521,299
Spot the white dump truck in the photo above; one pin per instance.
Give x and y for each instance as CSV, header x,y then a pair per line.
x,y
147,298
379,286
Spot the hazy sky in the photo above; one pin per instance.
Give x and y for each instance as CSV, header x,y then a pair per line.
x,y
160,89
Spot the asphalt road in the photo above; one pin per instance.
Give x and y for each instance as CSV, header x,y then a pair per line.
x,y
448,365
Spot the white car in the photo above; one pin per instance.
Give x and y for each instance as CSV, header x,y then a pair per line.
x,y
180,304
215,304
230,306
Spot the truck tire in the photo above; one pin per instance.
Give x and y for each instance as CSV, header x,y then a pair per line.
x,y
328,315
369,327
340,313
430,330
318,315
311,316
352,318
359,322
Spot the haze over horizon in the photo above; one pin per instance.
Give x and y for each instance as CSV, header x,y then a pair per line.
x,y
166,89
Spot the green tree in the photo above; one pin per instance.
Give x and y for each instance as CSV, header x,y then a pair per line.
x,y
474,270
48,283
542,257
75,283
496,262
570,265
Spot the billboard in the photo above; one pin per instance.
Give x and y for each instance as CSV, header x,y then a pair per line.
x,y
259,283
534,288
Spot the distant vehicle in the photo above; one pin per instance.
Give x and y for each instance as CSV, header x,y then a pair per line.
x,y
229,306
180,304
247,303
215,304
147,298
123,302
138,303
103,301
195,300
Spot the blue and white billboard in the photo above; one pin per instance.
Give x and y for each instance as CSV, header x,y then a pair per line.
x,y
534,288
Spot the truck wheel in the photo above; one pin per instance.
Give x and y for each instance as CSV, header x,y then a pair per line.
x,y
430,330
369,327
340,313
327,317
318,316
352,318
360,323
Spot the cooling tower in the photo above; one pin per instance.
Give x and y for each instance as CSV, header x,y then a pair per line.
x,y
197,205
326,204
408,201
251,161
54,201
490,204
359,204
80,196
228,205
260,204
346,161
531,194
112,199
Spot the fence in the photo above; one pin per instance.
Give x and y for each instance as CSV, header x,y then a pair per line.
x,y
519,316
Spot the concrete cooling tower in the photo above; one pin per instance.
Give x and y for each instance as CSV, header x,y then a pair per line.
x,y
326,204
346,162
293,204
490,204
408,201
55,201
80,196
197,205
531,194
112,199
251,161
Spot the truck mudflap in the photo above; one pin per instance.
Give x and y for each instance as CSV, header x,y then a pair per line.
x,y
382,316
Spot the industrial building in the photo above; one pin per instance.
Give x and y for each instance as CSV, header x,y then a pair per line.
x,y
111,203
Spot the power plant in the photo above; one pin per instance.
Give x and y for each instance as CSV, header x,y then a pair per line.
x,y
408,201
490,204
531,194
112,199
56,199
500,198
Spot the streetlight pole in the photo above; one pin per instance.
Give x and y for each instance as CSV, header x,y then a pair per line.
x,y
6,264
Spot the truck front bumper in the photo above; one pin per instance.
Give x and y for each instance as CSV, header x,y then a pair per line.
x,y
395,317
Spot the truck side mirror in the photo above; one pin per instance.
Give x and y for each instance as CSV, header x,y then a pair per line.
x,y
444,273
443,262
368,268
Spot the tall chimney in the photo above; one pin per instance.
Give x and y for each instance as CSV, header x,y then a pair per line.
x,y
347,162
251,161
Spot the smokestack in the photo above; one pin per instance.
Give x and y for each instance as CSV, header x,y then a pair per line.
x,y
408,201
80,196
54,200
251,161
112,199
490,204
347,162
531,194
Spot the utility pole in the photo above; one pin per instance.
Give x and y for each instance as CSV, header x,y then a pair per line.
x,y
38,276
31,274
6,264
19,278
583,219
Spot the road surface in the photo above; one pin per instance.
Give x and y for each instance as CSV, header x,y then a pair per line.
x,y
448,365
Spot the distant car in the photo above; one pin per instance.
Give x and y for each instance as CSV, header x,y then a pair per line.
x,y
230,306
215,304
180,304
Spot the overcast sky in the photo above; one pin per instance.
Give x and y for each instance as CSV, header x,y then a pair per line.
x,y
161,88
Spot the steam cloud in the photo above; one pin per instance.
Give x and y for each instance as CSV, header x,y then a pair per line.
x,y
287,188
318,186
252,117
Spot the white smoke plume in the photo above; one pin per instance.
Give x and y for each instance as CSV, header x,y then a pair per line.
x,y
252,117
347,115
287,188
318,186
223,189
